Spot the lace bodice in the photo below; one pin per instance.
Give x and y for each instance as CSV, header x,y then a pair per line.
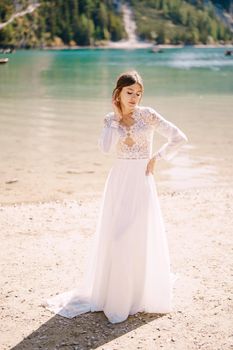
x,y
136,141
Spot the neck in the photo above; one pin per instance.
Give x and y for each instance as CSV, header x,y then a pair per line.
x,y
127,111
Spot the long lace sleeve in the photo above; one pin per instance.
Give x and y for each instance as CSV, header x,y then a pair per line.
x,y
176,137
109,134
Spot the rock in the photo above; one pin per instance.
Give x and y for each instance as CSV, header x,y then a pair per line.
x,y
11,181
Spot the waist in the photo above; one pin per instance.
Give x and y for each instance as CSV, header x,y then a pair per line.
x,y
119,159
132,158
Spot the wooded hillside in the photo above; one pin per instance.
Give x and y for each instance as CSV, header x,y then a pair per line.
x,y
179,22
58,22
93,22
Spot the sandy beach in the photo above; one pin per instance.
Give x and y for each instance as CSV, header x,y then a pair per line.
x,y
44,252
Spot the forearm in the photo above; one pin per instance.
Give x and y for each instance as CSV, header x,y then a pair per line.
x,y
168,150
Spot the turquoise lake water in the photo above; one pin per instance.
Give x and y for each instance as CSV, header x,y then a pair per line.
x,y
87,74
52,104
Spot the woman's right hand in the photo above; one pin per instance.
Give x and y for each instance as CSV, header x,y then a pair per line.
x,y
116,108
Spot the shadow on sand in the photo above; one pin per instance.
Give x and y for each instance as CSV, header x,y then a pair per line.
x,y
83,332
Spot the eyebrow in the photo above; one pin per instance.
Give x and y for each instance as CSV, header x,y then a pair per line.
x,y
133,90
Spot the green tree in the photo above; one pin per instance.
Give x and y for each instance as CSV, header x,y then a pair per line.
x,y
115,27
161,36
103,16
82,36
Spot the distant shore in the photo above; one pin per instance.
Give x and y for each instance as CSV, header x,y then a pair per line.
x,y
129,46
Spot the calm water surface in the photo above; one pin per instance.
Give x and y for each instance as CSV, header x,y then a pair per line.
x,y
52,105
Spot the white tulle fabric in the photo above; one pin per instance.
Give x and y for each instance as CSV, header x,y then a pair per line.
x,y
129,264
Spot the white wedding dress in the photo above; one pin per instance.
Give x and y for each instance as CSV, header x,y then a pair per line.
x,y
129,268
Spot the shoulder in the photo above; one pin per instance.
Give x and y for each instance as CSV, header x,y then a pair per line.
x,y
108,118
149,115
109,115
147,111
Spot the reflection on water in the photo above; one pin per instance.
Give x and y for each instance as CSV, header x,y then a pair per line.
x,y
207,58
187,173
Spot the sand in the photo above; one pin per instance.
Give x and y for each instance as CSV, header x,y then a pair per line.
x,y
44,247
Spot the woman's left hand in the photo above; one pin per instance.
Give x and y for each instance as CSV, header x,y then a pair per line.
x,y
150,166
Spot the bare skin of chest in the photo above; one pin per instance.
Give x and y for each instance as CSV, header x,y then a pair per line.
x,y
129,141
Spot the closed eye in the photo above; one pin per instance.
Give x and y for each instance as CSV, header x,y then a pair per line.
x,y
130,93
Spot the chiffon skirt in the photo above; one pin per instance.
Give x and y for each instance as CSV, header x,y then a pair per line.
x,y
128,268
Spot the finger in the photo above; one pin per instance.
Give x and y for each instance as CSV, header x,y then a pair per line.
x,y
147,170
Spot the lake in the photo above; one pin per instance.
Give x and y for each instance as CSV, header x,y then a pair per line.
x,y
52,105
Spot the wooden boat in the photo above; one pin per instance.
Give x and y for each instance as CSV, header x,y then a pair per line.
x,y
4,60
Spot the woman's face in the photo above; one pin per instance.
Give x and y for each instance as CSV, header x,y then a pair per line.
x,y
130,96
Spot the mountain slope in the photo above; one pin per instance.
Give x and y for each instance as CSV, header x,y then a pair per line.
x,y
179,22
59,22
95,22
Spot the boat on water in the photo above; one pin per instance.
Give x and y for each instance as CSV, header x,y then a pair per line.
x,y
7,50
4,60
156,49
228,53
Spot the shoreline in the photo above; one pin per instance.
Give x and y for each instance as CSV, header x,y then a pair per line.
x,y
89,196
138,46
127,46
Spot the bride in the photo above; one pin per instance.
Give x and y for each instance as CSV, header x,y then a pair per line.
x,y
129,265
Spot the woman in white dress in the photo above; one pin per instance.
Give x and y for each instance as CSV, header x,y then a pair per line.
x,y
129,265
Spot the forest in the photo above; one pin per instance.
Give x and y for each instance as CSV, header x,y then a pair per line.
x,y
180,22
56,23
61,22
